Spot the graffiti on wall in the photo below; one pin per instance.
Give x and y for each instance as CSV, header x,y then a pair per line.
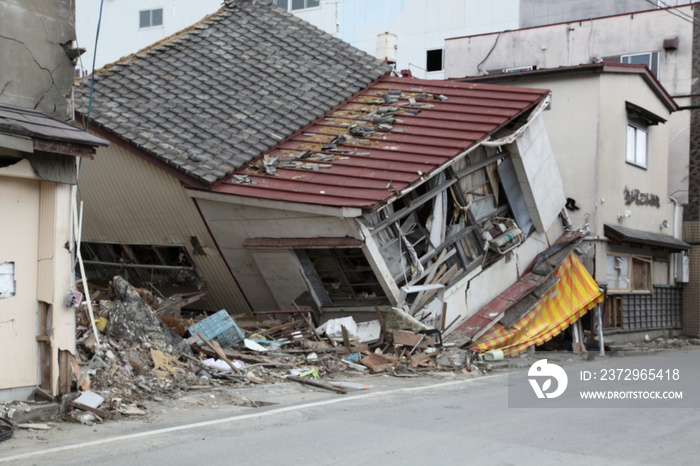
x,y
634,196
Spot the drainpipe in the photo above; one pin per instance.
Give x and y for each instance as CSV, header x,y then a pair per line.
x,y
676,208
674,257
570,44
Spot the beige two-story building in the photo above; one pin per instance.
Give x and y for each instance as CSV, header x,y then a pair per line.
x,y
608,125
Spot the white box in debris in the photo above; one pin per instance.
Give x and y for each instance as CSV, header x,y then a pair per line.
x,y
369,332
90,399
333,328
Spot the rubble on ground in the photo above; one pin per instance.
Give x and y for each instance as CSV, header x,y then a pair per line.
x,y
661,343
147,350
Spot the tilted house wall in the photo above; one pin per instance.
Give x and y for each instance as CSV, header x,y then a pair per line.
x,y
185,113
392,189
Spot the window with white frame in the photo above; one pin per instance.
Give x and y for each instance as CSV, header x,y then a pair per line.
x,y
639,120
650,59
294,5
150,18
637,145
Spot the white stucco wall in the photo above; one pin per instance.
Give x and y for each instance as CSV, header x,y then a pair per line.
x,y
119,29
579,42
420,25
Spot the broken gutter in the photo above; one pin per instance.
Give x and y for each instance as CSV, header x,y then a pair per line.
x,y
342,212
518,132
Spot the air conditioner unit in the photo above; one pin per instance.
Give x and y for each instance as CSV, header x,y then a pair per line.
x,y
519,68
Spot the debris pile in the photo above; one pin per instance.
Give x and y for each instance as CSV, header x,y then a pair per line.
x,y
146,350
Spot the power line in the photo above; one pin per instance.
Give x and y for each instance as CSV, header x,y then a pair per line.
x,y
670,9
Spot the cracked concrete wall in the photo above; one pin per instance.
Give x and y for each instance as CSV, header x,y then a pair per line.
x,y
36,72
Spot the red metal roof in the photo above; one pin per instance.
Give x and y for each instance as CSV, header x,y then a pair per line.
x,y
431,123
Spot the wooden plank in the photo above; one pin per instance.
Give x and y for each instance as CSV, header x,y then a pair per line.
x,y
44,394
359,348
346,338
216,347
382,327
443,317
411,339
421,294
377,362
179,301
65,373
444,279
65,148
417,359
99,412
433,266
318,384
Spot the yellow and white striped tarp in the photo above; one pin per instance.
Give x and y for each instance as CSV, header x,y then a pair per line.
x,y
575,293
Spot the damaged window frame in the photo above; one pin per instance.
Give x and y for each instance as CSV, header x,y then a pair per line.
x,y
142,263
460,183
324,289
627,267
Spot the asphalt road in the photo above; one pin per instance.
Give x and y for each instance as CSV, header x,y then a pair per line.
x,y
462,420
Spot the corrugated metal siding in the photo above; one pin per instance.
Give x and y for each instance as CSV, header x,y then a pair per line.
x,y
47,227
128,200
364,171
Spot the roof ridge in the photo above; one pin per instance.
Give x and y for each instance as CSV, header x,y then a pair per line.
x,y
168,39
213,96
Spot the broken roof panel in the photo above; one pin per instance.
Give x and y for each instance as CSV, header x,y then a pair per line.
x,y
573,295
213,97
382,140
20,121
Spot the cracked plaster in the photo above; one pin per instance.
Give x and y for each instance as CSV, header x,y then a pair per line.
x,y
36,73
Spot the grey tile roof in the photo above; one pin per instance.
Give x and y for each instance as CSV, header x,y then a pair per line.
x,y
213,97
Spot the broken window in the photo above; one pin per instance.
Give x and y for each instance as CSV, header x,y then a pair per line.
x,y
341,276
433,60
140,264
441,230
7,279
150,18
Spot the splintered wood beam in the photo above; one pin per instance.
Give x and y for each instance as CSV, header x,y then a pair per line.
x,y
318,384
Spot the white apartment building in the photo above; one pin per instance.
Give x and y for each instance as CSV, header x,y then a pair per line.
x,y
127,26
